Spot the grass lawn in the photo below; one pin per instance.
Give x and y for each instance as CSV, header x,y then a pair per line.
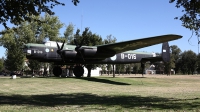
x,y
104,93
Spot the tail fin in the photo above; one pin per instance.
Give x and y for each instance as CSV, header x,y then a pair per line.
x,y
165,52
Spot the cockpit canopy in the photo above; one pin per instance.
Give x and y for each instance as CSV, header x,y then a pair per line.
x,y
52,44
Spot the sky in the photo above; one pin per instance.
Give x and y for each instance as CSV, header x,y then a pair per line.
x,y
126,20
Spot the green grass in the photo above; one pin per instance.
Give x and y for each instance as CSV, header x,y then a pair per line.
x,y
129,93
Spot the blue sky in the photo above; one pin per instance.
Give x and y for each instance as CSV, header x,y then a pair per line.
x,y
126,20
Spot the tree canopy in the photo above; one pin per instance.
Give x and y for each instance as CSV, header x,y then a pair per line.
x,y
18,11
1,65
28,32
191,14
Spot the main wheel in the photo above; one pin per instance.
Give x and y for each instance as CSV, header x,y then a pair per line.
x,y
78,71
57,71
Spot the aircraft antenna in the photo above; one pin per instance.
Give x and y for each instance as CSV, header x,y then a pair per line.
x,y
81,21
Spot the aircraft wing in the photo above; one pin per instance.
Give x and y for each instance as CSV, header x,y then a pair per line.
x,y
136,44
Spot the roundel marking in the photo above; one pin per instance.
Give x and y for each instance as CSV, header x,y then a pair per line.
x,y
47,50
113,58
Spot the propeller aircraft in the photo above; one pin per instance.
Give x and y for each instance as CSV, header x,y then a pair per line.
x,y
116,53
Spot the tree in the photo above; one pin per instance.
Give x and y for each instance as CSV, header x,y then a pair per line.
x,y
198,63
175,55
188,62
109,68
120,68
183,66
48,30
34,65
1,64
14,60
68,34
192,61
169,65
136,68
110,39
190,19
26,33
128,68
18,11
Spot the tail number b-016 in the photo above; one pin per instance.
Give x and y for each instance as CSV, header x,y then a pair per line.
x,y
129,56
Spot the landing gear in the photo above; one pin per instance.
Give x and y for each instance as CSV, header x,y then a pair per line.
x,y
78,71
57,71
142,66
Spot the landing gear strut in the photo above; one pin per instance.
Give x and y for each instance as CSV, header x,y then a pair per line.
x,y
78,71
142,66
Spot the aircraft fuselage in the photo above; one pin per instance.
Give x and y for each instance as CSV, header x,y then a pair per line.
x,y
45,53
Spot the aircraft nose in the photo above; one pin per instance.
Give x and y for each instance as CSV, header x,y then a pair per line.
x,y
26,50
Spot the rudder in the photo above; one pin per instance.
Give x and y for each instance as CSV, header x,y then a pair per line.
x,y
165,52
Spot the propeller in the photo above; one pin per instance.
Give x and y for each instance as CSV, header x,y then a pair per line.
x,y
78,47
59,51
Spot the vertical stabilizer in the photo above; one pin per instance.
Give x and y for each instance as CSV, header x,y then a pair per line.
x,y
165,52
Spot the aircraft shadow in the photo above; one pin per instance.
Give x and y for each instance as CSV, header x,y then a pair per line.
x,y
93,79
88,79
85,99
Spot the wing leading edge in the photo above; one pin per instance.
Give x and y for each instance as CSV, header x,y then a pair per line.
x,y
136,44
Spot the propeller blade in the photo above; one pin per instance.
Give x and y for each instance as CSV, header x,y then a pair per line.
x,y
78,48
59,51
75,42
58,46
62,45
81,56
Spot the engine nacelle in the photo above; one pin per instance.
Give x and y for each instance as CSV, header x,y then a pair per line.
x,y
89,52
69,54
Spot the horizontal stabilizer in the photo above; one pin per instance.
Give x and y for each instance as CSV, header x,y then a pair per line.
x,y
165,56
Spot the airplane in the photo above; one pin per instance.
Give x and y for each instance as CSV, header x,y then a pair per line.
x,y
115,53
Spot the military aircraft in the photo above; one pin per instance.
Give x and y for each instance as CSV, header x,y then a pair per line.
x,y
116,53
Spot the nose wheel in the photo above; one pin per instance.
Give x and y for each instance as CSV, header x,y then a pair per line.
x,y
78,71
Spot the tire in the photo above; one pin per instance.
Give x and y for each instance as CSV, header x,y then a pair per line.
x,y
57,71
78,71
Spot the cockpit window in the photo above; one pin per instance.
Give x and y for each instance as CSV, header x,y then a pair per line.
x,y
52,44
